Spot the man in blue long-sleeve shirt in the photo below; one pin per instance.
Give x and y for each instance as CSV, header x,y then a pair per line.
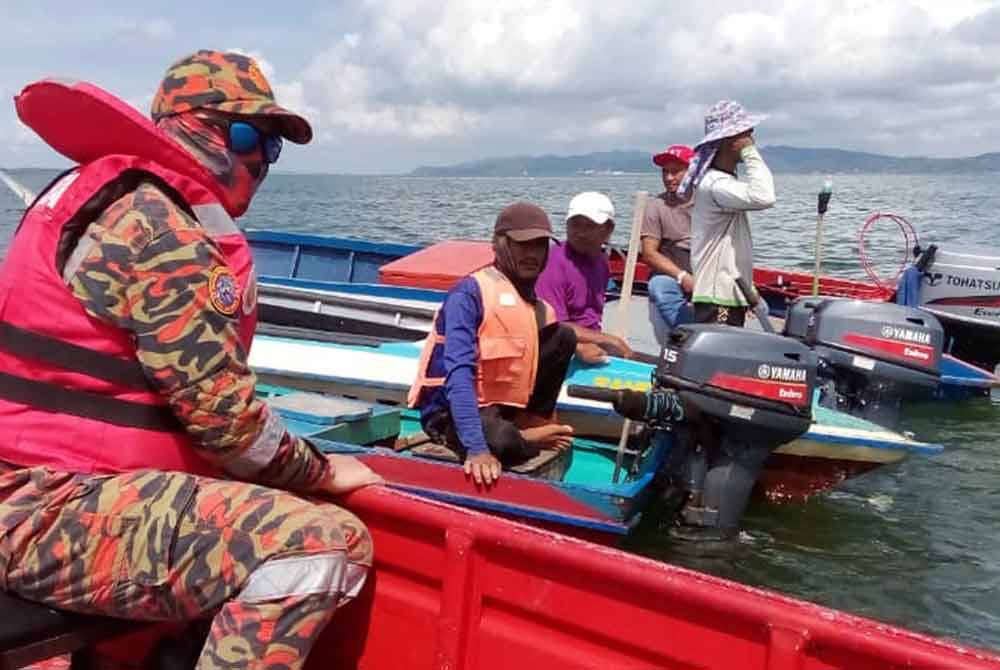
x,y
492,368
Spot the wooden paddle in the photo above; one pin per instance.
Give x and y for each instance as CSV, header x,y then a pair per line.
x,y
621,329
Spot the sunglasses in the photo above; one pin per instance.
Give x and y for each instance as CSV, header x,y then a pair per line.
x,y
244,138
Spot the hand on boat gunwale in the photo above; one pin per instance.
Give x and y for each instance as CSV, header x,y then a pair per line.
x,y
484,468
618,347
591,354
348,474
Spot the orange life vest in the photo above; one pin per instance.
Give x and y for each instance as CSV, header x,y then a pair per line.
x,y
508,344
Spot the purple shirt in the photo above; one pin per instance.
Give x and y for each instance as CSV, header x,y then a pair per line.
x,y
574,285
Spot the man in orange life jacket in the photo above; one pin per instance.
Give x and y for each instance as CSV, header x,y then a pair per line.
x,y
492,367
127,410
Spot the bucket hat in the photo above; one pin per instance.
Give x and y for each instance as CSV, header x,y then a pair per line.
x,y
727,118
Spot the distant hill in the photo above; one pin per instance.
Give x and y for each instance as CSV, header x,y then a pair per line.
x,y
779,158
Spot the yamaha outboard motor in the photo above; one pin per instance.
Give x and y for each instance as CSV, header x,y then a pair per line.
x,y
872,356
731,396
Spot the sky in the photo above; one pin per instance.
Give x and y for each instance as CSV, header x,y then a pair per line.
x,y
392,84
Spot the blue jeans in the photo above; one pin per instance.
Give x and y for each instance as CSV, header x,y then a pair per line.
x,y
668,306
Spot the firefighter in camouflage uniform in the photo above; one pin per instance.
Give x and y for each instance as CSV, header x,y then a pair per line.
x,y
140,477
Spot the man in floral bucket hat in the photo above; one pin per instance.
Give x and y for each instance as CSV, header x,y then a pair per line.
x,y
141,476
721,244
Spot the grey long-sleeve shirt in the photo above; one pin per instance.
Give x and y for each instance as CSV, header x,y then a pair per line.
x,y
721,242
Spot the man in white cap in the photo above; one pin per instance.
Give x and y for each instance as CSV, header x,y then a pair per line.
x,y
576,277
721,244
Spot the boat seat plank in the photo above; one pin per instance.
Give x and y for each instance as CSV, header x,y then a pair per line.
x,y
31,632
439,266
320,409
403,443
436,451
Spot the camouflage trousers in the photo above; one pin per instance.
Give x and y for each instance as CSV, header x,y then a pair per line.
x,y
268,566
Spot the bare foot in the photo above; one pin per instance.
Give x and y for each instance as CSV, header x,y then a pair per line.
x,y
524,419
549,436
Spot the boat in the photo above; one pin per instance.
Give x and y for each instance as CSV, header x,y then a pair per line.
x,y
961,289
312,281
389,313
577,491
453,588
836,447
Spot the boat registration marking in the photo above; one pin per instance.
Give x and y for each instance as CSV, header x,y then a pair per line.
x,y
741,412
863,362
616,383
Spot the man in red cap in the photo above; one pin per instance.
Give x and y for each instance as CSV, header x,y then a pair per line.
x,y
140,475
666,244
492,367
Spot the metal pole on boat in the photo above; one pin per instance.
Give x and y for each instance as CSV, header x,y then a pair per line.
x,y
19,189
638,214
822,203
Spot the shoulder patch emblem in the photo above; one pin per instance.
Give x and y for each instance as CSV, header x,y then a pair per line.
x,y
223,292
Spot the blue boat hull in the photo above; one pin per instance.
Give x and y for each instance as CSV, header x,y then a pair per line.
x,y
345,265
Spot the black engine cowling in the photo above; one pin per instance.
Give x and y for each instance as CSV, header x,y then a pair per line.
x,y
730,397
742,379
872,356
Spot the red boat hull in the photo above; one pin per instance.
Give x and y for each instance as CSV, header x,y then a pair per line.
x,y
775,284
456,589
797,478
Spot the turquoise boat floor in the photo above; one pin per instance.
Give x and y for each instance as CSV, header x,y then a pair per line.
x,y
593,463
590,467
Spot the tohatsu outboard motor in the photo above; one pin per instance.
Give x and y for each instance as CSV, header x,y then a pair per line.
x,y
872,356
731,397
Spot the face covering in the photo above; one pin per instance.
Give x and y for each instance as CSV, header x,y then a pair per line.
x,y
239,175
504,262
699,165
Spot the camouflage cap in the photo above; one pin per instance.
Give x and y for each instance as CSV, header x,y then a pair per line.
x,y
226,81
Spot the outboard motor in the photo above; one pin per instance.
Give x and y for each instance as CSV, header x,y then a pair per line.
x,y
872,356
731,396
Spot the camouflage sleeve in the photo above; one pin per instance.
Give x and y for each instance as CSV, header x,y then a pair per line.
x,y
150,272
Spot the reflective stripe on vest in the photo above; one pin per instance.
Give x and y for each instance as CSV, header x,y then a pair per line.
x,y
508,344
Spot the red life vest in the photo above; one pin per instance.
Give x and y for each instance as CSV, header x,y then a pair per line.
x,y
73,395
508,345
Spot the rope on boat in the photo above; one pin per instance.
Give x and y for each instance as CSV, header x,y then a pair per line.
x,y
910,241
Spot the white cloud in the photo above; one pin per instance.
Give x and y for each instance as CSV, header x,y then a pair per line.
x,y
156,29
539,75
345,95
265,65
138,30
444,80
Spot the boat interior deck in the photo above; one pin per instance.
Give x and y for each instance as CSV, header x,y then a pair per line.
x,y
340,421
